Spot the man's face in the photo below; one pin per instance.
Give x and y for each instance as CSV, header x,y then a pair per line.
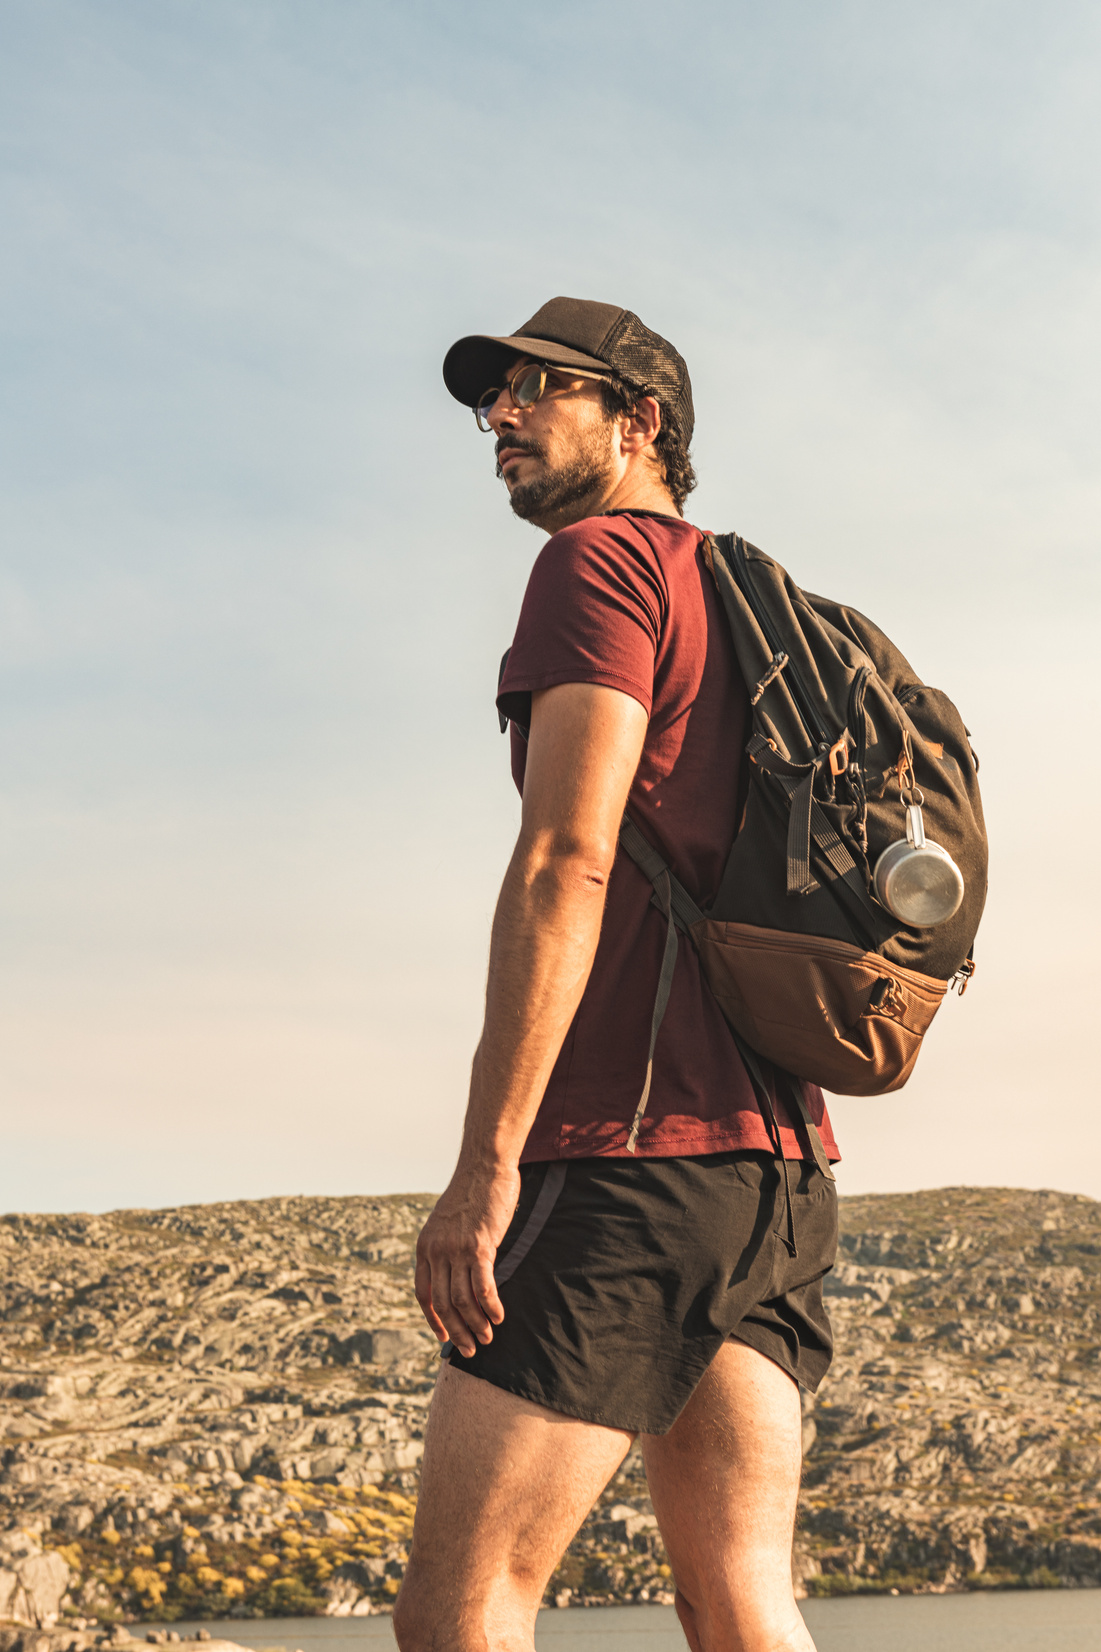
x,y
557,456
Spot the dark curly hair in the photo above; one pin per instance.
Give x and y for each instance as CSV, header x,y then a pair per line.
x,y
670,446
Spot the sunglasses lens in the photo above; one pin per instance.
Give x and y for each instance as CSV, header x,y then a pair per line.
x,y
484,407
527,386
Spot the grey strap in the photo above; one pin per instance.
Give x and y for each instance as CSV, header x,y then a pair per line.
x,y
768,1114
649,862
798,781
553,1183
679,908
800,881
797,1094
662,886
794,1087
828,841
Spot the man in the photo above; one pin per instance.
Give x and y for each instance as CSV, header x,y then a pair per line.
x,y
621,1251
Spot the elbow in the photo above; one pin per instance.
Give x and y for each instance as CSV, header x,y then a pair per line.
x,y
571,861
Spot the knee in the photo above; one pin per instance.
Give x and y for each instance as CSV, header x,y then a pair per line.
x,y
686,1614
432,1615
414,1620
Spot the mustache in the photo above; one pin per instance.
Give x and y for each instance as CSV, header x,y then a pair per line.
x,y
522,444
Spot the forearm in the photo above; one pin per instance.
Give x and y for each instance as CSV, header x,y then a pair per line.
x,y
545,934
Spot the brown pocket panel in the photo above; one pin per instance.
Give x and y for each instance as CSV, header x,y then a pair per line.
x,y
822,1009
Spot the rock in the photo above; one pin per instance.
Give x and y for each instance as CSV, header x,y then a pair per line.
x,y
32,1583
622,1522
392,1345
351,1585
186,1394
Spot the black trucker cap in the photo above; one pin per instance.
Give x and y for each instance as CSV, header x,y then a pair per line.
x,y
577,332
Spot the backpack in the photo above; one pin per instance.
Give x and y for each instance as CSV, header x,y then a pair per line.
x,y
850,754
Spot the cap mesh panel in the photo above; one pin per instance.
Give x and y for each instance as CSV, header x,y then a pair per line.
x,y
649,363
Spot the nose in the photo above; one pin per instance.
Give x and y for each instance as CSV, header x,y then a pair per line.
x,y
504,414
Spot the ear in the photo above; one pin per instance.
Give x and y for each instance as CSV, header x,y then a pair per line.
x,y
640,427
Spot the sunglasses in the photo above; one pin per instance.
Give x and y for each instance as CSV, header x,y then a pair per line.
x,y
527,385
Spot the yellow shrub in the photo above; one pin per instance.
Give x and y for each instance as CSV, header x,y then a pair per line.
x,y
191,1531
402,1505
164,1566
271,1561
149,1584
73,1555
145,1551
233,1588
207,1576
112,1538
255,1574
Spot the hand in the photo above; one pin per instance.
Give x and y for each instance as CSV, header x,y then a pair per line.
x,y
456,1252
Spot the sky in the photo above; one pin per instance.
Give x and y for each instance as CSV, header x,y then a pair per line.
x,y
256,573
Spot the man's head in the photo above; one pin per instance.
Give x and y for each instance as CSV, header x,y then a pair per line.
x,y
590,411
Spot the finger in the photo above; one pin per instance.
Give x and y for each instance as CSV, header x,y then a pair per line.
x,y
485,1290
465,1300
422,1287
456,1327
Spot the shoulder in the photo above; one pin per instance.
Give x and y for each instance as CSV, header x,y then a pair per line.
x,y
620,547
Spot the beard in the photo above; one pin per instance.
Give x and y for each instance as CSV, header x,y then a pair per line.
x,y
552,499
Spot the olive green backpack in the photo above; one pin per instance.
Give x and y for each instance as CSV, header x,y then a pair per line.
x,y
851,755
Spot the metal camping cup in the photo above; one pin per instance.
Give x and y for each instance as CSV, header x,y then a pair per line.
x,y
917,880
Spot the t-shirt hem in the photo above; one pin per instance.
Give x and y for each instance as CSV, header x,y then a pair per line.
x,y
596,675
672,1147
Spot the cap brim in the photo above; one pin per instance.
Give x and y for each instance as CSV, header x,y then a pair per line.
x,y
474,364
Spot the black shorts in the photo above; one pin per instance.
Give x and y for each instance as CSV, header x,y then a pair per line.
x,y
622,1278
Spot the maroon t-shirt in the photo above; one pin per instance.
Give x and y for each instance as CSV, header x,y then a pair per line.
x,y
625,600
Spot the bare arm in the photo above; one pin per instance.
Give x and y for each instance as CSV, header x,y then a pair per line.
x,y
583,750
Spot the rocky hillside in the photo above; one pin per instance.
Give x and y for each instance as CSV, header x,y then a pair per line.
x,y
219,1410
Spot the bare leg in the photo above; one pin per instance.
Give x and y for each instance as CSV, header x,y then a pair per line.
x,y
505,1486
725,1482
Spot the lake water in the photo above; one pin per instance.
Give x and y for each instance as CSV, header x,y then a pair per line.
x,y
1041,1620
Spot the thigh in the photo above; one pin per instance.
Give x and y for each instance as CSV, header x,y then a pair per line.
x,y
505,1485
725,1484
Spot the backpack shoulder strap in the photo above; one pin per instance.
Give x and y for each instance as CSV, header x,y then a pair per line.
x,y
681,912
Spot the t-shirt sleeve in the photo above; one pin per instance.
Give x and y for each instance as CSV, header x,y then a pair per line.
x,y
592,613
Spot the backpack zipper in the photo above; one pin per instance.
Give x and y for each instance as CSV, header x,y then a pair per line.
x,y
804,703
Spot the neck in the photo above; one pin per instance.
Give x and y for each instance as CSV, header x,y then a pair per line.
x,y
632,491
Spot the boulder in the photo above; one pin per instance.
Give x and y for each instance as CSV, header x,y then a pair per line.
x,y
32,1583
